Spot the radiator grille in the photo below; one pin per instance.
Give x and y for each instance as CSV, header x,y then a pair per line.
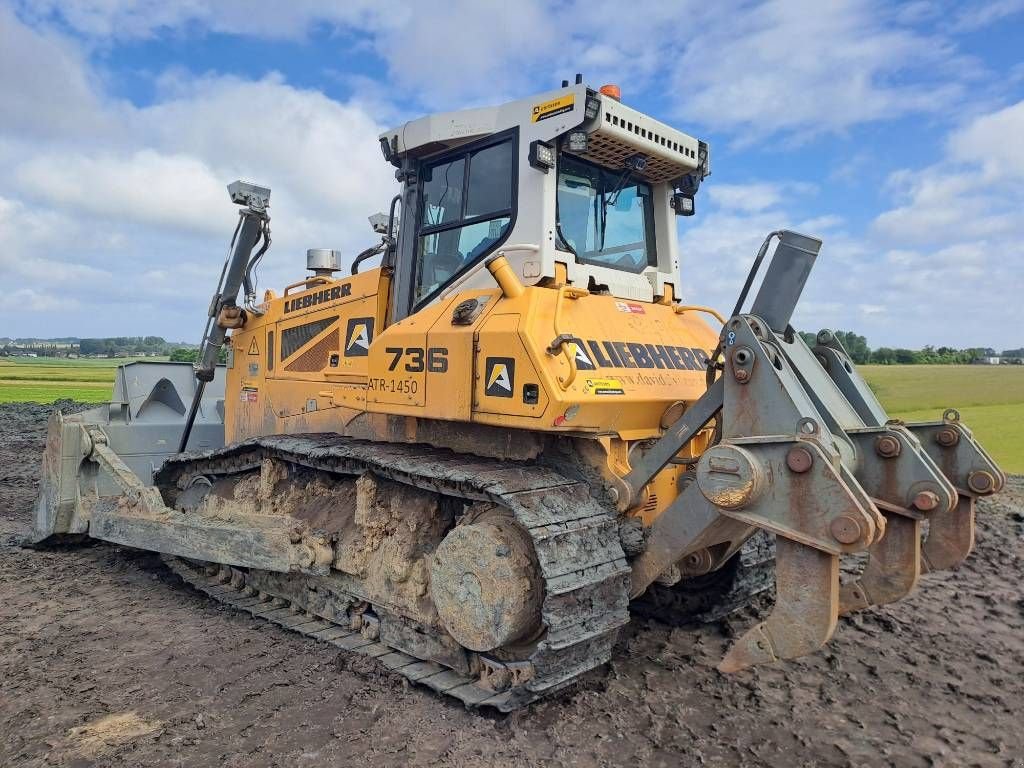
x,y
293,339
315,358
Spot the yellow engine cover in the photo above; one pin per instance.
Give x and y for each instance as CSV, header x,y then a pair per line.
x,y
551,359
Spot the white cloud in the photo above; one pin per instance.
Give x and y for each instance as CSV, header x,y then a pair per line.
x,y
322,154
973,16
745,197
171,191
137,218
47,88
805,68
124,205
940,267
30,300
976,194
956,239
139,19
995,141
30,235
796,67
756,196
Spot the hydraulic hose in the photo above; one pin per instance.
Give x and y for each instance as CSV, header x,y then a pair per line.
x,y
247,236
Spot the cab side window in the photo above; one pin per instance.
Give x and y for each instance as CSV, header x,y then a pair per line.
x,y
465,212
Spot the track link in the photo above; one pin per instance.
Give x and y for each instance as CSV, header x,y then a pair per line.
x,y
575,539
706,599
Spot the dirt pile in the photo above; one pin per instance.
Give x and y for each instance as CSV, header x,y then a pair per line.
x,y
106,658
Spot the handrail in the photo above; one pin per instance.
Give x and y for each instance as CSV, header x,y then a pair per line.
x,y
698,308
533,247
314,280
560,338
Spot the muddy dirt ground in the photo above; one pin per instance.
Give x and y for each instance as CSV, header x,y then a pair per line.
x,y
106,658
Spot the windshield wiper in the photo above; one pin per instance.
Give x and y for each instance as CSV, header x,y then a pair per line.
x,y
637,162
613,198
610,199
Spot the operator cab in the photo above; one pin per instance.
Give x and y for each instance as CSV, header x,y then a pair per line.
x,y
571,186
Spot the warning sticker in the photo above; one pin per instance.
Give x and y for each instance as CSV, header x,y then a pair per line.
x,y
254,348
249,395
553,108
604,387
630,308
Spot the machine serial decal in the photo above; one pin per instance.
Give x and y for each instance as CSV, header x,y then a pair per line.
x,y
501,376
358,336
553,108
604,387
592,354
400,386
318,297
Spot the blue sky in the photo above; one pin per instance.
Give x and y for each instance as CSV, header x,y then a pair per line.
x,y
893,131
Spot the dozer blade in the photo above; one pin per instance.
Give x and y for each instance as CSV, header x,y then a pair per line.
x,y
139,518
141,424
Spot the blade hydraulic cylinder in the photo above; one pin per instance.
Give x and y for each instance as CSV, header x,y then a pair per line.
x,y
252,226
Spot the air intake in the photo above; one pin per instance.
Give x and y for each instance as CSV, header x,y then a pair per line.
x,y
323,261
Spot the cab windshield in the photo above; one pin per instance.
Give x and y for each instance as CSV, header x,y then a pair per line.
x,y
605,217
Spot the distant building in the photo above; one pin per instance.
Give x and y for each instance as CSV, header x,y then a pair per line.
x,y
996,360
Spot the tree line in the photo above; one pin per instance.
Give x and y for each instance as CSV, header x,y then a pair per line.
x,y
857,347
111,346
191,355
115,346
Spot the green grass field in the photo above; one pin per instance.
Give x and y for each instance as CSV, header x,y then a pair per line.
x,y
46,379
990,398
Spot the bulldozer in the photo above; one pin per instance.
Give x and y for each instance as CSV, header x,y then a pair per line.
x,y
472,451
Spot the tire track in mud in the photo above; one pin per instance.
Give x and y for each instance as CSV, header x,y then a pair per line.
x,y
107,659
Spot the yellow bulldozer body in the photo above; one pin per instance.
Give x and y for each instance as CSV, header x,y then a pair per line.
x,y
471,460
318,360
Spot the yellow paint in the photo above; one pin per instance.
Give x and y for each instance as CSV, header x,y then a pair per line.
x,y
496,371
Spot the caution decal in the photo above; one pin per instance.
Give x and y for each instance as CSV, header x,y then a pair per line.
x,y
553,108
604,387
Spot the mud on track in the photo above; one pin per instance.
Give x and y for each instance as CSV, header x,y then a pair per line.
x,y
106,658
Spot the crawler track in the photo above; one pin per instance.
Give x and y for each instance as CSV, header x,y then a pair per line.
x,y
708,598
575,539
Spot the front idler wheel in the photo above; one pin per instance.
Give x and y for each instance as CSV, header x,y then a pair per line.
x,y
485,584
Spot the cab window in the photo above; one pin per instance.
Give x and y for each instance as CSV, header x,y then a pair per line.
x,y
466,210
605,217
